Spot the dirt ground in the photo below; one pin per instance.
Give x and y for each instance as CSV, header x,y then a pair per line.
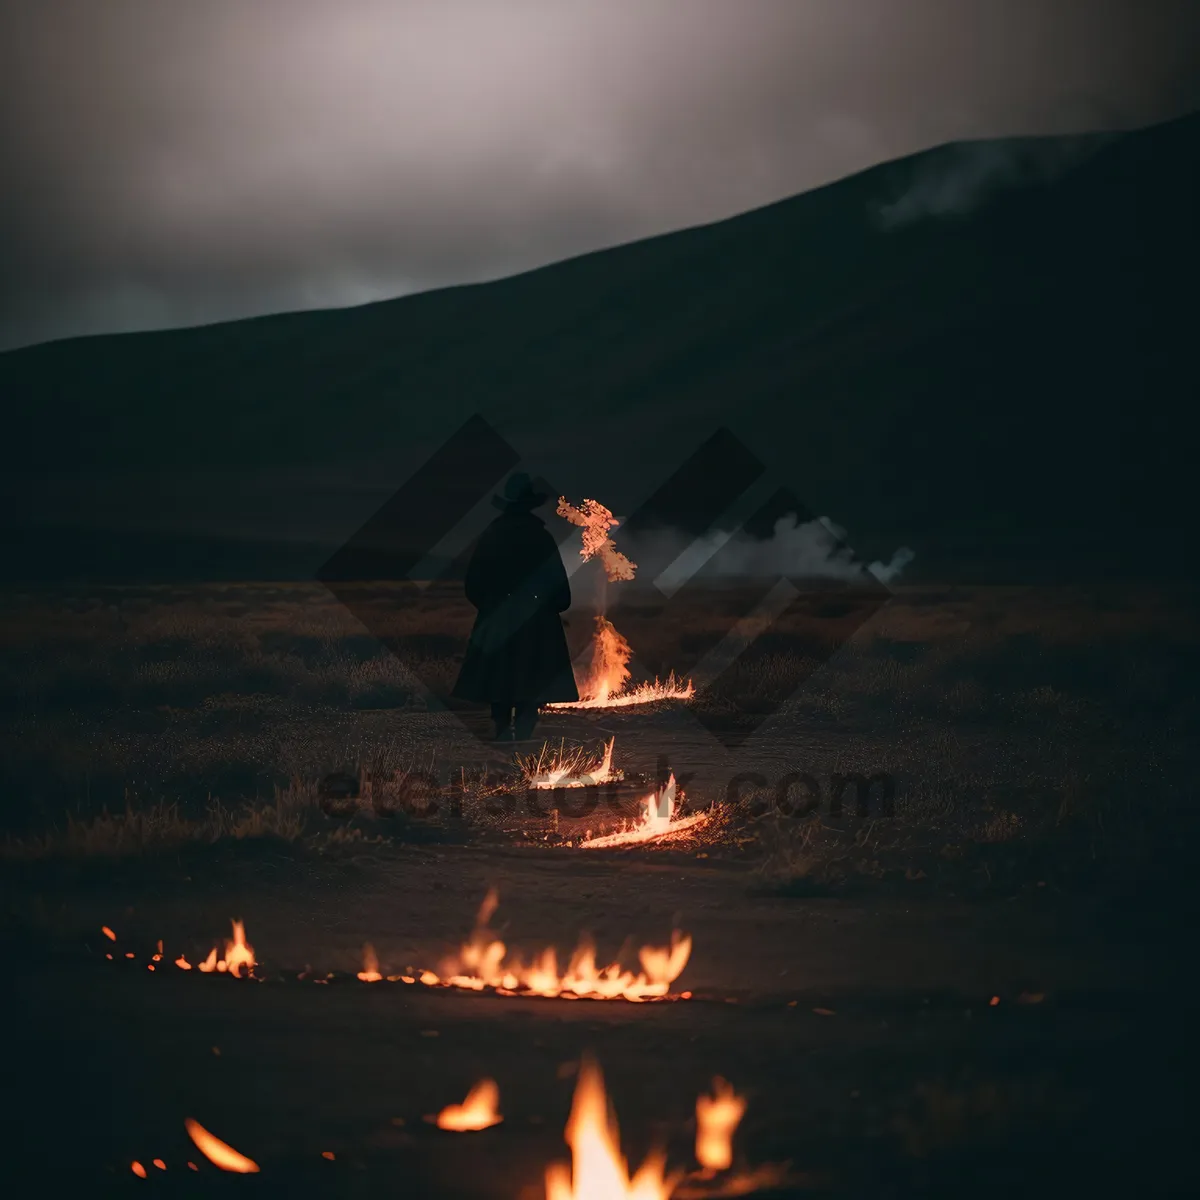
x,y
985,989
910,1080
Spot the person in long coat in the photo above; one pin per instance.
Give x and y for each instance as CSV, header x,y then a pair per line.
x,y
517,656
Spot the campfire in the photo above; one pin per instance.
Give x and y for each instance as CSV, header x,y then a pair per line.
x,y
657,820
605,682
484,963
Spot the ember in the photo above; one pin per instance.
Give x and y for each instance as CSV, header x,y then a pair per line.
x,y
217,1152
483,962
480,1110
598,1171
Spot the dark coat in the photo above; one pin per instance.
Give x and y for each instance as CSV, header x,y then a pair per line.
x,y
517,652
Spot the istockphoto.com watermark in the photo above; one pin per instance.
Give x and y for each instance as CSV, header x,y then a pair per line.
x,y
423,794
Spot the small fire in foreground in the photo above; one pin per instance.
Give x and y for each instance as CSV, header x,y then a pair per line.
x,y
606,679
569,769
657,819
483,962
598,1171
238,954
370,972
217,1152
717,1116
480,1110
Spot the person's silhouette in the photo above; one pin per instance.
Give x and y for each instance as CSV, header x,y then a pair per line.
x,y
517,657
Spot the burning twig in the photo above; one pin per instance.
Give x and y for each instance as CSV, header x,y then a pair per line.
x,y
483,962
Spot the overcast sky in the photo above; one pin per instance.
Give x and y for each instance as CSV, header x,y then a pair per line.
x,y
173,163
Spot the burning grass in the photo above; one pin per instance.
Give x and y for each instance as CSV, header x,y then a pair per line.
x,y
574,768
656,820
483,962
605,680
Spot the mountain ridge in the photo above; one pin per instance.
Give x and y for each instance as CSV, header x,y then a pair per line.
x,y
905,377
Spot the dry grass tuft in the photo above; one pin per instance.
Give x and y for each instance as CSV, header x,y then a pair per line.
x,y
164,826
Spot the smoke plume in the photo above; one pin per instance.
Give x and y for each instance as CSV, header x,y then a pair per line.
x,y
798,549
959,178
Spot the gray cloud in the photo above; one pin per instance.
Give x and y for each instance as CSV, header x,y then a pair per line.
x,y
170,164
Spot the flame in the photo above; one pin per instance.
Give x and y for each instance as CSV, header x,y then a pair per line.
x,y
598,1171
238,954
608,671
480,1110
569,769
483,962
656,820
605,680
182,963
217,1152
595,520
604,683
370,972
717,1116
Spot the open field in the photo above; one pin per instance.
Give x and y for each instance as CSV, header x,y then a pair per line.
x,y
1038,746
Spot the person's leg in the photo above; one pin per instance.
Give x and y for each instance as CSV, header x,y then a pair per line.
x,y
526,719
502,715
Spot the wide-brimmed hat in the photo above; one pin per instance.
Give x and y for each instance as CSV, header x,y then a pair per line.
x,y
522,493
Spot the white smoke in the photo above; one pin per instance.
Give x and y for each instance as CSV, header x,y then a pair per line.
x,y
886,572
800,550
